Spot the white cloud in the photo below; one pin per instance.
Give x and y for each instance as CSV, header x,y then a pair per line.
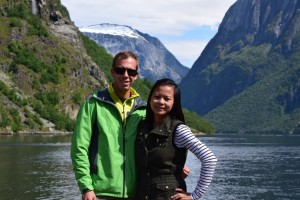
x,y
155,17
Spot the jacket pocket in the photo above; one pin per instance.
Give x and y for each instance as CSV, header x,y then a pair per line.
x,y
162,190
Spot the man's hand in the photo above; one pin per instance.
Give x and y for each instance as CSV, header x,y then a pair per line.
x,y
90,195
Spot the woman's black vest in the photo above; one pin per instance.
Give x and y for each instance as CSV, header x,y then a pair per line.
x,y
159,162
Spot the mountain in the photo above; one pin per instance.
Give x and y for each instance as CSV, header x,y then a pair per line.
x,y
247,79
44,68
155,60
47,68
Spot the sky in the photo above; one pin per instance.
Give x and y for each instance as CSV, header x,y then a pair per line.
x,y
183,26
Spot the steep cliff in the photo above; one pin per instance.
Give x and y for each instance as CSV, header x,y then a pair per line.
x,y
44,68
247,77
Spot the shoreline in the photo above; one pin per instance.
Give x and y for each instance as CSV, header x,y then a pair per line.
x,y
49,133
37,133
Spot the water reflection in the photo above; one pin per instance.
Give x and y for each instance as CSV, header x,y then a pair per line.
x,y
250,167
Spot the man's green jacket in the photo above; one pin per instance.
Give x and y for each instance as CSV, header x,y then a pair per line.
x,y
102,149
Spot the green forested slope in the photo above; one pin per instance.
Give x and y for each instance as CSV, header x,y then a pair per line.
x,y
271,105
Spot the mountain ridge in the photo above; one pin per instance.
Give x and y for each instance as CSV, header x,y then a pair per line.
x,y
155,60
256,40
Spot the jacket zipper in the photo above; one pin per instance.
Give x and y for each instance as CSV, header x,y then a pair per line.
x,y
124,151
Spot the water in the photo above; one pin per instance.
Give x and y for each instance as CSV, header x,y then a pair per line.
x,y
36,168
249,167
252,167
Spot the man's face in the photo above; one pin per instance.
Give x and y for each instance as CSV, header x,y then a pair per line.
x,y
123,74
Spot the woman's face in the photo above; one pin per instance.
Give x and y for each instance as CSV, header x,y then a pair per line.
x,y
162,101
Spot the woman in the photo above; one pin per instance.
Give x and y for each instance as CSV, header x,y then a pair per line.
x,y
161,148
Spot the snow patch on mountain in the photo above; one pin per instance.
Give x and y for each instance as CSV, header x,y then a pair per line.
x,y
111,29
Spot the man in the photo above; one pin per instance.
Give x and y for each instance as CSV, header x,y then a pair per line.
x,y
102,149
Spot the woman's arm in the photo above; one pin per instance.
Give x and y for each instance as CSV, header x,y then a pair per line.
x,y
184,138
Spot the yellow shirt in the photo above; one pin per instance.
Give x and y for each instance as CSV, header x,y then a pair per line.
x,y
125,106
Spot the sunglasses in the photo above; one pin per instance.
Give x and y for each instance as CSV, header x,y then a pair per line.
x,y
121,71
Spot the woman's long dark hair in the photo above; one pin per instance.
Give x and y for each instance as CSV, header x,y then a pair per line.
x,y
176,112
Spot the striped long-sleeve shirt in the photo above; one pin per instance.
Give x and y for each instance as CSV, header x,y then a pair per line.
x,y
184,138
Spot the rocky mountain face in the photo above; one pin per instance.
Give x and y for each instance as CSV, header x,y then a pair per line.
x,y
155,60
45,71
247,77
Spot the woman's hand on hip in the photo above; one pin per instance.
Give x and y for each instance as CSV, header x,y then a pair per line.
x,y
181,194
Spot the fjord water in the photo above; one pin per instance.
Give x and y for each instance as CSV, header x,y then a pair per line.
x,y
255,167
249,167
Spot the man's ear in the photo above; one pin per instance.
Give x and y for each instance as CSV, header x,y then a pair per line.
x,y
136,77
